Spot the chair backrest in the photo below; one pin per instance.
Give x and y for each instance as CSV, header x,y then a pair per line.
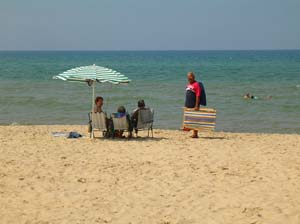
x,y
99,121
145,118
203,119
120,123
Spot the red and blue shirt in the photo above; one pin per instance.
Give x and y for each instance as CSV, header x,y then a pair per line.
x,y
193,90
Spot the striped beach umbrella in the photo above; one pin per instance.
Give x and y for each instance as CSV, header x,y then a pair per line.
x,y
91,75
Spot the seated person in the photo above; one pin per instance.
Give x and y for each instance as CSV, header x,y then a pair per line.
x,y
98,109
135,114
121,112
98,104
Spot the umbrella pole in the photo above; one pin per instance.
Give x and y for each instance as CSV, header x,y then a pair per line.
x,y
92,111
93,97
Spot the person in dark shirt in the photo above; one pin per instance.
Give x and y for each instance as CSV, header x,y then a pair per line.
x,y
193,94
135,113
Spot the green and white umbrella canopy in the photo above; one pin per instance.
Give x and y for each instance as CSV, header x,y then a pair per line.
x,y
91,75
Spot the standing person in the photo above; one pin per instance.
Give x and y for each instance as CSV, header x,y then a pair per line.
x,y
192,97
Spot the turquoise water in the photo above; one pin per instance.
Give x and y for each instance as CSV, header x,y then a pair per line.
x,y
28,95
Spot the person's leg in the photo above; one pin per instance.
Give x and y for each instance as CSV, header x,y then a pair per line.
x,y
195,134
130,126
134,125
110,128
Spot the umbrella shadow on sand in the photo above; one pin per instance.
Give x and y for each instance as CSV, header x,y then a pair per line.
x,y
134,139
214,138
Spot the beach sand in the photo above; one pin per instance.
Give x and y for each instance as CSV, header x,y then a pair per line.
x,y
218,178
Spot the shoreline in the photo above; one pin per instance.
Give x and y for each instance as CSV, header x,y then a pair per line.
x,y
219,178
80,126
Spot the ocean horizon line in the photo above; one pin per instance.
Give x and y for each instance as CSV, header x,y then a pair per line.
x,y
149,50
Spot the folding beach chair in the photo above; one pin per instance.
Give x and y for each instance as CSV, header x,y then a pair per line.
x,y
120,124
98,123
145,120
201,120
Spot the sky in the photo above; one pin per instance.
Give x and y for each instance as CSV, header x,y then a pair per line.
x,y
149,24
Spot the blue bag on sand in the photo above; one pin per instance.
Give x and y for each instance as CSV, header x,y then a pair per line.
x,y
203,95
74,135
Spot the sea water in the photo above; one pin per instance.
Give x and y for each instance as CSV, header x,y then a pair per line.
x,y
29,95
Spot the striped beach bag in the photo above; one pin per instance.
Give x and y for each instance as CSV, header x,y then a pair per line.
x,y
202,120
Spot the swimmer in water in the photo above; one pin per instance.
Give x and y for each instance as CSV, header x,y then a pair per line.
x,y
249,96
268,97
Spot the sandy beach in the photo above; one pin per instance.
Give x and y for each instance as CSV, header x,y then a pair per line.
x,y
171,179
